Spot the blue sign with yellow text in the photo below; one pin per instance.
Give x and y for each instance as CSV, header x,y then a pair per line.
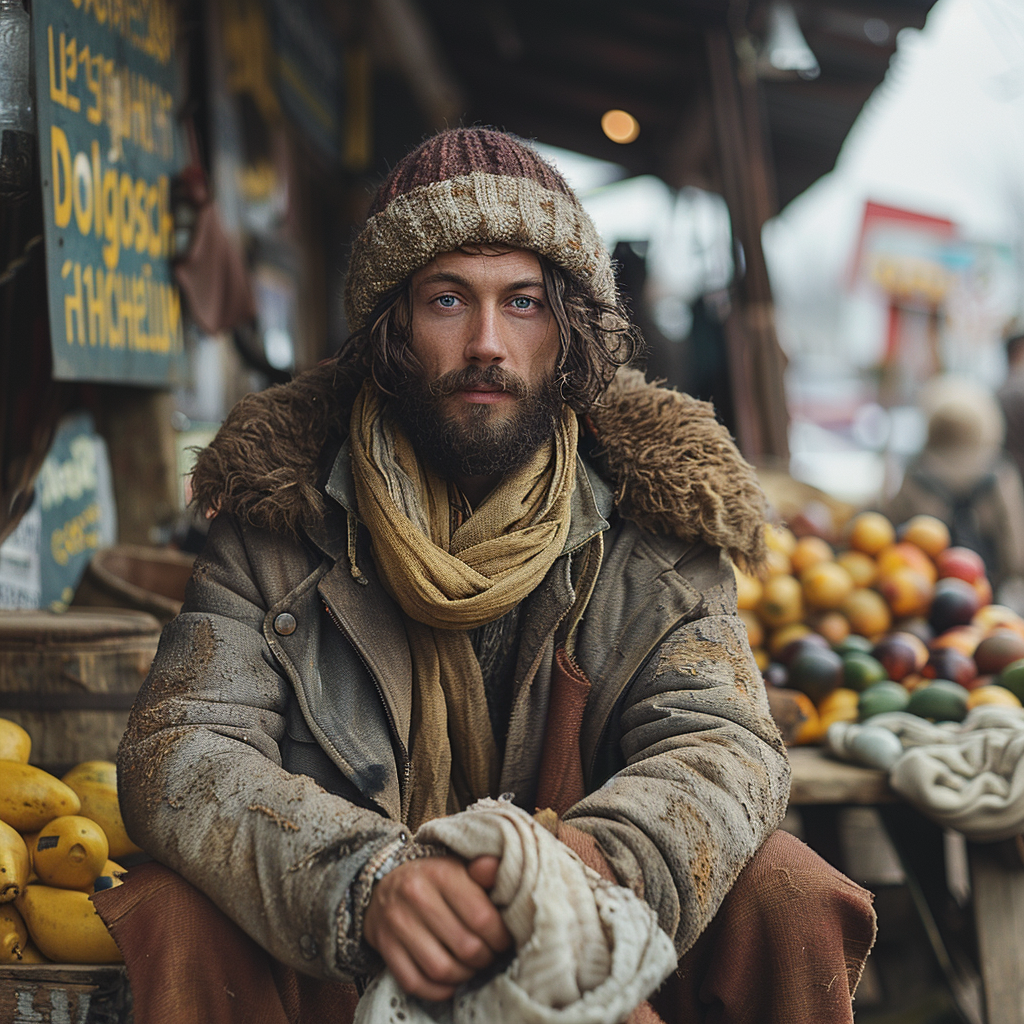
x,y
107,88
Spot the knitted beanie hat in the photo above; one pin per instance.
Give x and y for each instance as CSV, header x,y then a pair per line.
x,y
470,186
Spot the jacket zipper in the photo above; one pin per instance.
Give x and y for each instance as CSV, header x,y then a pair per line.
x,y
406,763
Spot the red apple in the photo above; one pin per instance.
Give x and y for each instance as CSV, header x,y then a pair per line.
x,y
962,563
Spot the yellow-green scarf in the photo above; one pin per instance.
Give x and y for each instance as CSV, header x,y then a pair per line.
x,y
448,582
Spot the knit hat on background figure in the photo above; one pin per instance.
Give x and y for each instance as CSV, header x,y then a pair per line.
x,y
470,186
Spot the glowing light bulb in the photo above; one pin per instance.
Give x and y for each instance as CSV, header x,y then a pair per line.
x,y
620,126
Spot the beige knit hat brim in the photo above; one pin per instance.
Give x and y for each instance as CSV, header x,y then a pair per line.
x,y
476,208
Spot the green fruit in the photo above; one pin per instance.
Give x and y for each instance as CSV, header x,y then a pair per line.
x,y
941,701
880,698
860,671
1012,677
816,672
854,642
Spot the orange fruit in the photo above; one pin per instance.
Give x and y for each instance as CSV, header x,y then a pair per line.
x,y
839,700
782,638
782,602
997,616
992,694
905,556
755,631
826,585
914,681
983,589
964,639
777,563
810,728
748,590
779,538
832,626
860,566
906,591
867,612
931,535
839,706
870,532
810,551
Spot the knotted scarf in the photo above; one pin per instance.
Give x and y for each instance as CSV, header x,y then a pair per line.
x,y
450,581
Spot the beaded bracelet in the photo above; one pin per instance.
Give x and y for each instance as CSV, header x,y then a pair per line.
x,y
390,856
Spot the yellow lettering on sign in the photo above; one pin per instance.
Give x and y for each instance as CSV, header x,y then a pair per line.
x,y
121,311
76,535
73,303
82,192
60,169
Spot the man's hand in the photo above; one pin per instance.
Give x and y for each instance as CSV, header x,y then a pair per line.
x,y
434,925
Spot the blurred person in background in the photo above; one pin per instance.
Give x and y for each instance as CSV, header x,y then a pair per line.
x,y
963,477
1011,394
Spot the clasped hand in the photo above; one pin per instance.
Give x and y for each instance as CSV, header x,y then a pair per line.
x,y
434,924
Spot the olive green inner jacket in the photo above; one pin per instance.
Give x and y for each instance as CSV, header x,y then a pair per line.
x,y
266,756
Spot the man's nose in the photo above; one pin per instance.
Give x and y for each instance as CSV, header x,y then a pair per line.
x,y
486,343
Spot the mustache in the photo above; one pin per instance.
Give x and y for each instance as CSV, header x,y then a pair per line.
x,y
474,376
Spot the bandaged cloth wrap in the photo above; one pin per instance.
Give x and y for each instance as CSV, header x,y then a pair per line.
x,y
587,951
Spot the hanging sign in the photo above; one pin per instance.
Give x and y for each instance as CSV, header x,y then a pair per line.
x,y
73,514
107,88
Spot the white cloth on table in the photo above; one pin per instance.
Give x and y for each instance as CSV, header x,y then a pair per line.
x,y
587,951
967,776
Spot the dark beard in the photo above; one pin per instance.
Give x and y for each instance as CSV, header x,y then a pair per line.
x,y
479,443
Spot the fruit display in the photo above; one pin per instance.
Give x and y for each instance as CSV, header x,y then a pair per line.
x,y
56,840
894,619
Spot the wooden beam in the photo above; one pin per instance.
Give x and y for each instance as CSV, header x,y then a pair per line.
x,y
410,43
756,361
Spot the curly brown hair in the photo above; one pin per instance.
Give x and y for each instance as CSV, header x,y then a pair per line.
x,y
595,339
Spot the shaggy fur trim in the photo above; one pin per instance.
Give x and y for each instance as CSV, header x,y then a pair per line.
x,y
676,470
266,463
672,465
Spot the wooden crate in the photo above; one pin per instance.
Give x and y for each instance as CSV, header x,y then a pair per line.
x,y
69,679
132,576
64,994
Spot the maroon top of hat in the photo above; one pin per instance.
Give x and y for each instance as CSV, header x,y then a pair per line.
x,y
458,151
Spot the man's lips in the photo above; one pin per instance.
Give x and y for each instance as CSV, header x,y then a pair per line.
x,y
484,395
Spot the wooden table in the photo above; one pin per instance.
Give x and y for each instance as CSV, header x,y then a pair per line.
x,y
997,884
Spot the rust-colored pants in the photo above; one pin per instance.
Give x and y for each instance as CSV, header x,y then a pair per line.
x,y
786,947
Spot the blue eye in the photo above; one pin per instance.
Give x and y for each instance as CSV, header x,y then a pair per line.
x,y
447,301
522,302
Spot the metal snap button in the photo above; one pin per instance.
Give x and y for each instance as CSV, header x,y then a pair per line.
x,y
284,624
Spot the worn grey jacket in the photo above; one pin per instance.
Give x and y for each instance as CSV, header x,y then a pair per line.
x,y
266,756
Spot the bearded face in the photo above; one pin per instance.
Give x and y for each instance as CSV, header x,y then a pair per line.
x,y
484,393
462,439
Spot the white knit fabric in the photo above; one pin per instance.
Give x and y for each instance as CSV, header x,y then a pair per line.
x,y
967,776
587,951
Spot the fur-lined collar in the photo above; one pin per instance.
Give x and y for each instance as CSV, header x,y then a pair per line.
x,y
673,467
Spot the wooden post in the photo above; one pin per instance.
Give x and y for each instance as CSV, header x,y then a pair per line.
x,y
999,920
136,424
756,361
